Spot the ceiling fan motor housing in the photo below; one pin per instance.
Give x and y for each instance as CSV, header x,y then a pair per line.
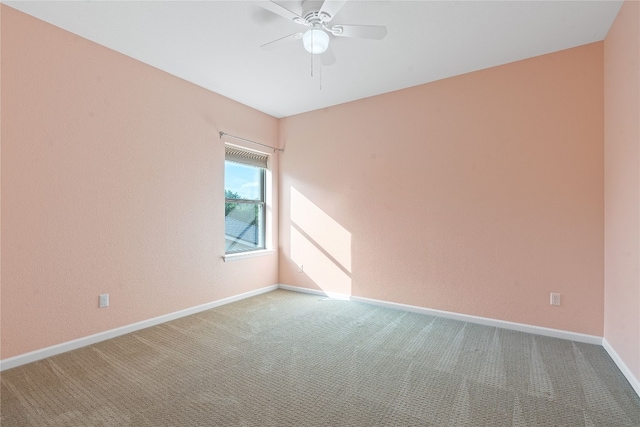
x,y
316,16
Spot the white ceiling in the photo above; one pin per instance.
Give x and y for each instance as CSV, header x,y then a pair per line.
x,y
216,44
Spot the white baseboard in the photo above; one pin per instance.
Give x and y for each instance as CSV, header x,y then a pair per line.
x,y
33,356
622,366
521,327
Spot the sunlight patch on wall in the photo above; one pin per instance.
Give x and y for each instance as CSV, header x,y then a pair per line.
x,y
320,246
321,228
319,267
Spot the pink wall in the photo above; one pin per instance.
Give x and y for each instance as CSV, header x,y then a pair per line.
x,y
622,186
1,9
479,194
112,176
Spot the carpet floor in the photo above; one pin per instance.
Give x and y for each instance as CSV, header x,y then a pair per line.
x,y
290,359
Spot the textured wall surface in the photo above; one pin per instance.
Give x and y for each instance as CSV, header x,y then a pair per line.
x,y
479,194
622,186
112,181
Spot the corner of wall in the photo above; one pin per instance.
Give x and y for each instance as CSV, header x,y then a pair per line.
x,y
622,191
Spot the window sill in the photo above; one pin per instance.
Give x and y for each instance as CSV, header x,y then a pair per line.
x,y
250,254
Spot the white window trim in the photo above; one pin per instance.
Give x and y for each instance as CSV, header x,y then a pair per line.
x,y
248,254
268,219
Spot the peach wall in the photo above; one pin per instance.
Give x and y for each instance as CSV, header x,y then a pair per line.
x,y
0,185
479,194
112,176
622,186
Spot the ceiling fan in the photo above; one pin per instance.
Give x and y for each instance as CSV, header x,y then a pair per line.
x,y
316,16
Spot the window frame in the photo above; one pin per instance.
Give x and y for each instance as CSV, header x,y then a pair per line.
x,y
261,202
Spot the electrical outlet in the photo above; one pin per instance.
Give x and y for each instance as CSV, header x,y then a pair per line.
x,y
301,268
555,299
104,300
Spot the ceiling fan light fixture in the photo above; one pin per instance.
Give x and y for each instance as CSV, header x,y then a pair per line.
x,y
315,41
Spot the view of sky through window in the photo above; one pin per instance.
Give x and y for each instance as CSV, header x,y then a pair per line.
x,y
242,180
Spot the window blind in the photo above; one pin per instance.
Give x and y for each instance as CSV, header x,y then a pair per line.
x,y
245,157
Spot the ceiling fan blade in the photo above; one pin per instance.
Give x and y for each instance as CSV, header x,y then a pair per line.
x,y
280,10
376,32
331,8
281,41
328,58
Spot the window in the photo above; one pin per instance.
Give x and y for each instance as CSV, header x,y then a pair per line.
x,y
244,205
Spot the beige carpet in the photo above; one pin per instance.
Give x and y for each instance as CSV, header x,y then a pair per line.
x,y
288,359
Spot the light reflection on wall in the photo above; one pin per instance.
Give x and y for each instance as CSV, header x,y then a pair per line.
x,y
321,246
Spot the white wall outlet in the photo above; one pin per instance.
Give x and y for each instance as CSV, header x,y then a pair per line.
x,y
104,300
301,268
555,299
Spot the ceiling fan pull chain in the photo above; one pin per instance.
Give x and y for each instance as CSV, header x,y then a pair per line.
x,y
312,55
